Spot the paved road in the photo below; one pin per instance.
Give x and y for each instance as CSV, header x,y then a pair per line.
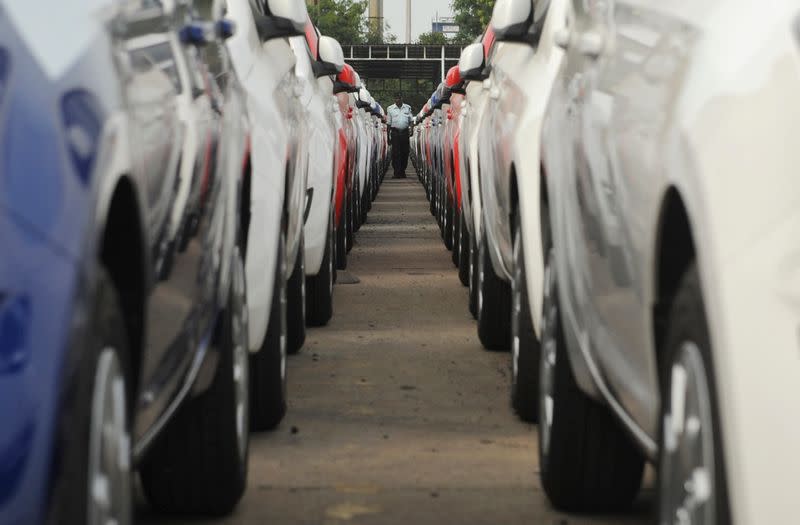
x,y
397,416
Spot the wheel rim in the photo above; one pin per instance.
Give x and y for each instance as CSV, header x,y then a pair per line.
x,y
241,360
688,487
109,478
284,334
549,354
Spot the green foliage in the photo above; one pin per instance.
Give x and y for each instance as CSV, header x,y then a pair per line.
x,y
379,35
432,39
472,17
343,20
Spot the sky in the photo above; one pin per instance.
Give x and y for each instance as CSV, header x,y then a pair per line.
x,y
422,11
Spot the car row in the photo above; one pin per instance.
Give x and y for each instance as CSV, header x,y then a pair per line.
x,y
625,214
172,192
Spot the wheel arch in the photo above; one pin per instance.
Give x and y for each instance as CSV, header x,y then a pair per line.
x,y
122,251
675,250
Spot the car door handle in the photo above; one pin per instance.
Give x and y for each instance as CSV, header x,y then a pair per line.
x,y
592,44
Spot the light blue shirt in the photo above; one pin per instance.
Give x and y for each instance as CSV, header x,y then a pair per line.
x,y
399,118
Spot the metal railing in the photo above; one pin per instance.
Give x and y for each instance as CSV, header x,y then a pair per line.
x,y
409,52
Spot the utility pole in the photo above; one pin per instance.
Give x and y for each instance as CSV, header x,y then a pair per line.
x,y
376,16
408,21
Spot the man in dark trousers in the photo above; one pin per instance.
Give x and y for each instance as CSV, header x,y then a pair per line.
x,y
399,116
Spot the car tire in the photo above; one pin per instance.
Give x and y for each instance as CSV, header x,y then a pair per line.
x,y
268,364
357,214
296,303
494,304
473,277
525,347
463,250
587,461
319,288
351,221
92,429
341,236
198,465
456,238
685,457
448,216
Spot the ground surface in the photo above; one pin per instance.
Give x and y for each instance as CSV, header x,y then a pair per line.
x,y
397,416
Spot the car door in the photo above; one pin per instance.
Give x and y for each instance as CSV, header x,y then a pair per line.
x,y
634,58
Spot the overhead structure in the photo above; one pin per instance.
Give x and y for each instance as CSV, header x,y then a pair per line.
x,y
408,21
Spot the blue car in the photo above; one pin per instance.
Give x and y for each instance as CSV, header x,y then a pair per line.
x,y
112,360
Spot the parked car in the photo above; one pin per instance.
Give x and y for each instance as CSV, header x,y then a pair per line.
x,y
109,362
345,86
670,237
525,60
313,301
473,65
275,188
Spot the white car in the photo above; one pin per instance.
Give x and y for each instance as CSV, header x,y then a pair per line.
x,y
670,309
313,302
525,61
275,182
473,67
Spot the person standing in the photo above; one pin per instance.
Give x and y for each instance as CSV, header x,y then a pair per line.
x,y
399,121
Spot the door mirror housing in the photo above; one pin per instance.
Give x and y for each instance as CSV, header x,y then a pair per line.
x,y
196,34
519,20
331,57
472,63
225,28
281,19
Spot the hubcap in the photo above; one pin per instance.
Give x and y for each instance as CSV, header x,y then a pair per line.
x,y
549,355
241,359
284,335
109,446
687,465
480,284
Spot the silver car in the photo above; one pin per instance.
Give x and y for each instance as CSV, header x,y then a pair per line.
x,y
670,232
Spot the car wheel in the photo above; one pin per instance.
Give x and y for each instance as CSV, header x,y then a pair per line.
x,y
691,469
454,256
268,364
351,220
198,465
296,303
448,214
319,288
96,481
341,237
524,343
494,304
357,208
587,462
464,254
473,277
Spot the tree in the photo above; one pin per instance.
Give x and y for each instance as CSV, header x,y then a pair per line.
x,y
341,19
433,38
472,17
379,35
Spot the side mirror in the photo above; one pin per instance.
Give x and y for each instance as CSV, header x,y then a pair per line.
x,y
225,28
282,19
196,34
472,62
331,57
516,21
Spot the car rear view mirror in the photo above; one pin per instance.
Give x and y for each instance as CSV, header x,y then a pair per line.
x,y
518,20
225,28
331,57
471,64
282,19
